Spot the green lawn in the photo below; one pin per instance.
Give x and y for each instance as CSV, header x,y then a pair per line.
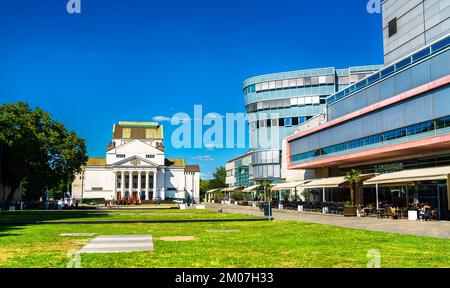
x,y
154,214
258,244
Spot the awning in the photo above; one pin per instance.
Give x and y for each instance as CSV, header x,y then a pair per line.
x,y
230,189
288,185
251,188
405,176
214,190
332,182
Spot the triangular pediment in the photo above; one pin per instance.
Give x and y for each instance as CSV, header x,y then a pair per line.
x,y
137,147
135,161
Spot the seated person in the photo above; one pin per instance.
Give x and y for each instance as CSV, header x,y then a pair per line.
x,y
425,212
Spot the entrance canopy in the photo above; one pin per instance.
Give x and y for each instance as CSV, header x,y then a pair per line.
x,y
426,174
332,182
251,188
288,186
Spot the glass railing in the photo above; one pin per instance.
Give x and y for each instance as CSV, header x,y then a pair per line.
x,y
402,64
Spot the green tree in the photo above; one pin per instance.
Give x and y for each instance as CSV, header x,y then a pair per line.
x,y
353,177
218,180
204,187
38,151
267,190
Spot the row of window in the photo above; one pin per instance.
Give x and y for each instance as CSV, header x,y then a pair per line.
x,y
444,43
148,156
285,103
289,83
304,82
266,171
415,129
266,157
279,122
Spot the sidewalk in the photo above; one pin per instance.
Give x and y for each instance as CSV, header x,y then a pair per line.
x,y
437,229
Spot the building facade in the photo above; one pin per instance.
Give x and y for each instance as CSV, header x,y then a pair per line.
x,y
277,104
136,169
394,120
409,25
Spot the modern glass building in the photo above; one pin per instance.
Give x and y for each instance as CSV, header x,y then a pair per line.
x,y
276,105
396,119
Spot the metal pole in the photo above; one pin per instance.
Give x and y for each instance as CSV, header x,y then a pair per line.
x,y
376,194
323,194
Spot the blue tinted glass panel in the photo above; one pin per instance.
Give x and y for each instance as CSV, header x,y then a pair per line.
x,y
403,63
387,71
441,44
361,84
287,122
373,78
421,54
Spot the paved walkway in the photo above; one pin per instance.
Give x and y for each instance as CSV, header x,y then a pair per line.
x,y
437,229
119,243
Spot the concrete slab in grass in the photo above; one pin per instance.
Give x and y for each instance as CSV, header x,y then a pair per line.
x,y
77,234
118,244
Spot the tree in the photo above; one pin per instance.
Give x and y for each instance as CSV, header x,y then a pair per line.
x,y
353,177
218,180
204,187
267,190
38,151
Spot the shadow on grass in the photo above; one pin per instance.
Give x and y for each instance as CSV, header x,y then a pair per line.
x,y
6,229
13,220
8,217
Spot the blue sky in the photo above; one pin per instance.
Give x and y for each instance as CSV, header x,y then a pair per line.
x,y
138,59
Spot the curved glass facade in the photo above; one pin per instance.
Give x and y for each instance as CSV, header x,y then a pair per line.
x,y
278,103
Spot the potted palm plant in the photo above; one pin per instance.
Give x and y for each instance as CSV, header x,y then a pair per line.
x,y
267,197
352,177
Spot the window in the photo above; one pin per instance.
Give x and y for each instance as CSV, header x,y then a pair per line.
x,y
269,123
294,121
275,122
307,81
287,122
262,123
279,84
126,133
392,27
120,155
150,156
281,122
322,79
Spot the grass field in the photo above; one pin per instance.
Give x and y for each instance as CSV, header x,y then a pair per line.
x,y
154,214
257,244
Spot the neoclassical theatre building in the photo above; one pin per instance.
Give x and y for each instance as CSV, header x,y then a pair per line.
x,y
136,170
